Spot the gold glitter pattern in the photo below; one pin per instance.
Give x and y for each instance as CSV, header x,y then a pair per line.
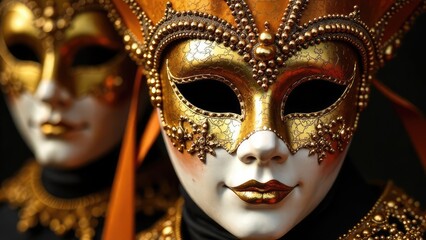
x,y
54,17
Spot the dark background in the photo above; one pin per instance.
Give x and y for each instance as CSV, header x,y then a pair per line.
x,y
380,149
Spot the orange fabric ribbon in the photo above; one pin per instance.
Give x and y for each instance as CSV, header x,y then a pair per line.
x,y
150,134
411,117
120,223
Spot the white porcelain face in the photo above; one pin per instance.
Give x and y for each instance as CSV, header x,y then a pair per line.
x,y
262,157
93,127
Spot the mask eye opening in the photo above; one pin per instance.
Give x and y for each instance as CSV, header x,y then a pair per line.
x,y
314,94
93,55
23,52
211,94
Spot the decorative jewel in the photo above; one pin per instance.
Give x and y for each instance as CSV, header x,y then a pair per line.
x,y
197,135
329,137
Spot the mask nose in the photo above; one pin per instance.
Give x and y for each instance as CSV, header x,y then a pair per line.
x,y
263,147
51,93
49,90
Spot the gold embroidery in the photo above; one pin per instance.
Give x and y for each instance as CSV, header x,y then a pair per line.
x,y
37,206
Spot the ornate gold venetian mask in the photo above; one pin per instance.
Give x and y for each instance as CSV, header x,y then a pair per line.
x,y
70,42
221,70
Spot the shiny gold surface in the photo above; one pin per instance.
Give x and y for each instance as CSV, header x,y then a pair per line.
x,y
53,130
254,197
56,38
195,60
254,192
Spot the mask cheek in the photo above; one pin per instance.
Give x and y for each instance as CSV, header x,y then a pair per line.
x,y
185,164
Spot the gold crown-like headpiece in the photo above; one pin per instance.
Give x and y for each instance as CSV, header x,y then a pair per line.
x,y
266,33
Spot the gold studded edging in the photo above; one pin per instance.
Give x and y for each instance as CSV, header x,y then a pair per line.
x,y
394,216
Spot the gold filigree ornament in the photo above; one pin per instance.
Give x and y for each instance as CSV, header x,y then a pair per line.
x,y
197,136
37,206
329,137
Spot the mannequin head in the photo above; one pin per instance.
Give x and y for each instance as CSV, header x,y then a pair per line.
x,y
259,100
67,79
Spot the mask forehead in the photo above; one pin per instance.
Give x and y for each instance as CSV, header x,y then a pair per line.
x,y
74,44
